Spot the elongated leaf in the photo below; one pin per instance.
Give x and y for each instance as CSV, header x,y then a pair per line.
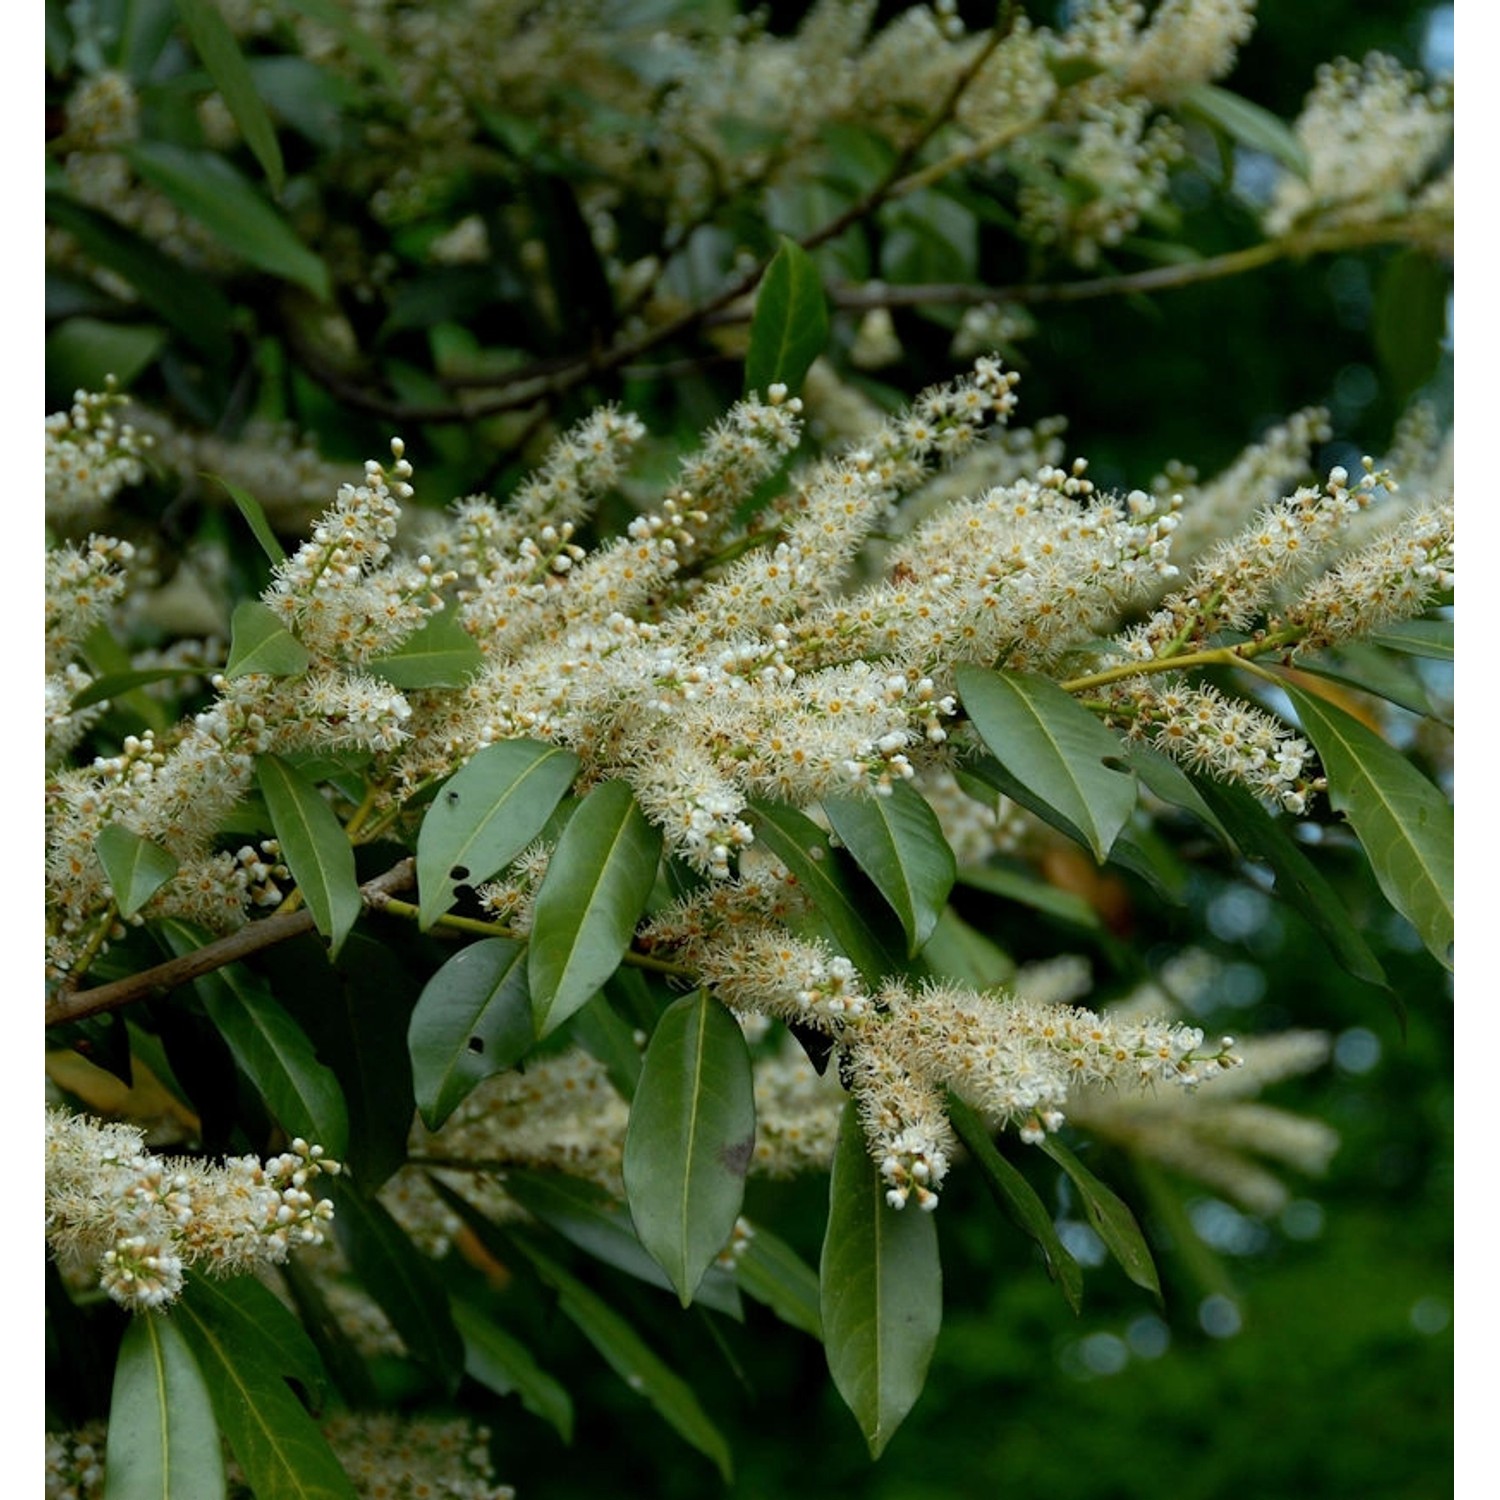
x,y
591,1219
247,1314
278,1445
84,353
118,683
1111,1219
206,188
316,848
1162,776
255,518
790,325
882,1291
898,842
1018,1199
218,51
503,1364
596,886
137,868
485,815
1432,638
958,951
1298,881
804,849
690,1138
600,1030
346,1366
259,642
1247,123
1028,890
1410,318
1403,821
441,653
1056,749
188,303
163,1441
769,1270
472,1020
407,1285
1371,670
632,1359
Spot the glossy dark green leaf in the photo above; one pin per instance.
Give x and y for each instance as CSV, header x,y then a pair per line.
x,y
632,1359
408,1285
220,54
1056,750
1410,318
503,1364
188,303
1247,123
1110,1218
472,1020
1404,823
1368,669
259,642
882,1291
608,1038
597,884
248,1315
690,1138
440,653
898,842
278,1445
804,849
1165,779
315,847
1030,890
255,518
163,1442
271,1049
1433,638
957,950
790,325
1018,1199
769,1270
137,868
85,353
117,684
207,189
590,1218
485,815
1263,836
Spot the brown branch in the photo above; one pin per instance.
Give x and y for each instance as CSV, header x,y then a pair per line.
x,y
74,1005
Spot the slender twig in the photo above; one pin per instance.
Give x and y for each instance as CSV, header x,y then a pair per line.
x,y
74,1005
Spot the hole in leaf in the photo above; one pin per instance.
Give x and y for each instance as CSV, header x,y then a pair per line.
x,y
1115,763
459,872
452,798
476,1044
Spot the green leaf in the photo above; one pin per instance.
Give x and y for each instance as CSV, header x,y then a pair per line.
x,y
1029,890
1298,881
632,1359
769,1270
606,1036
790,325
503,1364
1165,779
83,353
1433,638
958,951
1246,123
1403,821
898,842
804,849
881,1290
1112,1221
597,883
255,518
248,1315
137,869
1368,669
1410,319
117,683
408,1285
439,653
278,1445
216,48
207,189
1061,757
316,848
188,303
271,1049
1018,1199
163,1441
259,642
590,1218
485,815
690,1138
472,1020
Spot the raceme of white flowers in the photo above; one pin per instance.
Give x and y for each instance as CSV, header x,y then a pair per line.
x,y
142,1220
709,661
